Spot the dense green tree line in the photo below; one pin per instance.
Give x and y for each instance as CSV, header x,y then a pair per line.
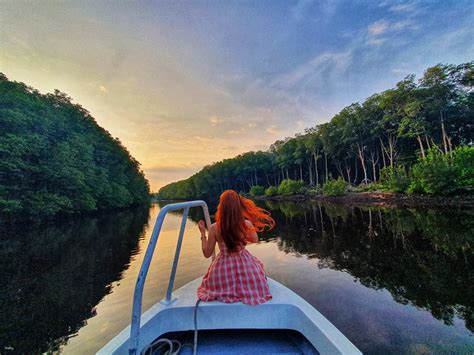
x,y
54,157
397,127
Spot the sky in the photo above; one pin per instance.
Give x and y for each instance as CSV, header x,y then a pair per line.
x,y
183,84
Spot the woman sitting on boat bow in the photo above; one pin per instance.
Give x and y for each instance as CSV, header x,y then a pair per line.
x,y
235,275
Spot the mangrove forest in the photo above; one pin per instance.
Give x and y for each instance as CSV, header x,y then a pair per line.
x,y
414,138
55,158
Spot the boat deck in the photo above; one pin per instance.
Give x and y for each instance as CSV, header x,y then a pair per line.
x,y
244,341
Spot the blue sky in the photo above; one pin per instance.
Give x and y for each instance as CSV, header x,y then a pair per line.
x,y
187,83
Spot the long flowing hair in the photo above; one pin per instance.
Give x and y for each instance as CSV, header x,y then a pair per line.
x,y
231,214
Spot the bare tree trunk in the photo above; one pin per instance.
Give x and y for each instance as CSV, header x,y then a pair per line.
x,y
374,164
326,164
301,172
362,162
391,152
339,169
310,170
450,146
444,135
391,145
383,154
316,168
356,171
427,142
348,172
418,138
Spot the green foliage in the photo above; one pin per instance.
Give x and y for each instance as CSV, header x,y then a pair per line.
x,y
367,187
463,161
54,158
257,191
271,191
315,190
290,187
441,174
336,187
394,179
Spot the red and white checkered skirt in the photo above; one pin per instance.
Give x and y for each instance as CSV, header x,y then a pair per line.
x,y
235,277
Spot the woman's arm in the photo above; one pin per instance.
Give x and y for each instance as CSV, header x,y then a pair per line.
x,y
207,244
252,236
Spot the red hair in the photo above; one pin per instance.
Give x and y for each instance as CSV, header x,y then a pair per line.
x,y
231,214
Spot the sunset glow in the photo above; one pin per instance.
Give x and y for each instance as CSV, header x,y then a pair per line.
x,y
185,84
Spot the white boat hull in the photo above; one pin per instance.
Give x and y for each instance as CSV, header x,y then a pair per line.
x,y
286,310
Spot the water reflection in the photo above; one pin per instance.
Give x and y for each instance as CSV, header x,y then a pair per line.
x,y
423,258
53,276
382,276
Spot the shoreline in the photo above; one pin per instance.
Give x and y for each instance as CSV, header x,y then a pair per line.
x,y
382,199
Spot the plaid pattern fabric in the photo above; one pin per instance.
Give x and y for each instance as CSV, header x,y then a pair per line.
x,y
235,277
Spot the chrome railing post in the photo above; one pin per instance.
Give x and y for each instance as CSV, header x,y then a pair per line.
x,y
138,293
176,256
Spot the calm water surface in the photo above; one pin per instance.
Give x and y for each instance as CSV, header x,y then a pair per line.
x,y
392,280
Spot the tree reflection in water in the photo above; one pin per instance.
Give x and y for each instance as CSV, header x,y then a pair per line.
x,y
53,276
422,257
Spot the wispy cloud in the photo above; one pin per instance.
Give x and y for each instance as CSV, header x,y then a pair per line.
x,y
376,41
273,130
380,31
216,121
311,70
378,28
406,7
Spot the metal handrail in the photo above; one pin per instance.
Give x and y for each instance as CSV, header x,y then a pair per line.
x,y
138,293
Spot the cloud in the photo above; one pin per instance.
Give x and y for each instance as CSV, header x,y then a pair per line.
x,y
328,61
378,28
273,130
103,89
203,139
409,7
300,124
215,121
376,41
387,29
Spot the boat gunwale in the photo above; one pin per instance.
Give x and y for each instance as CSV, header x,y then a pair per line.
x,y
286,310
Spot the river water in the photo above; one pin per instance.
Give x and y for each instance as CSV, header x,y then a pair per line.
x,y
392,280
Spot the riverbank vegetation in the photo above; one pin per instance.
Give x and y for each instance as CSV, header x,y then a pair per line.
x,y
414,138
55,158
